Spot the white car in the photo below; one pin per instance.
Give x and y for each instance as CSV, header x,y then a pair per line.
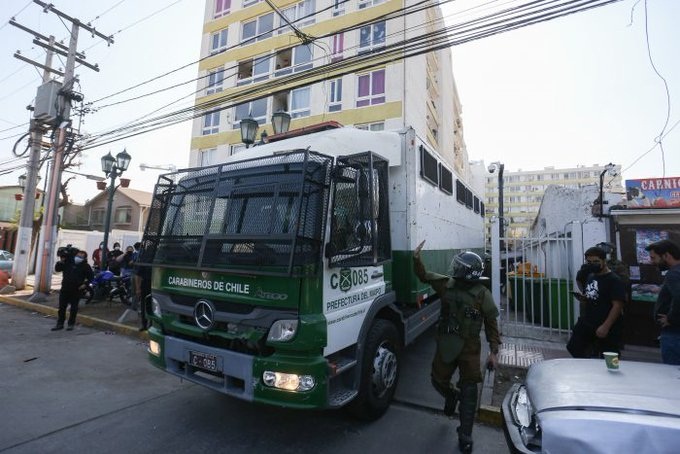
x,y
579,406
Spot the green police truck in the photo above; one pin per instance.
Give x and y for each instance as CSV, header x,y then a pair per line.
x,y
284,275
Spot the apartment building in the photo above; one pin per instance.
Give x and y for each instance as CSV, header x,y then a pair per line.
x,y
523,191
246,44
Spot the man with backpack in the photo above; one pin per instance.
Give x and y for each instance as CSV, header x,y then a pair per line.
x,y
466,306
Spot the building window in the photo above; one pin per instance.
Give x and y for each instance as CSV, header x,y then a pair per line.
x,y
222,7
215,81
300,15
339,7
218,41
257,29
123,215
368,3
335,96
377,126
371,88
236,148
257,108
207,157
247,3
255,70
371,37
300,100
211,123
338,47
292,60
296,102
97,216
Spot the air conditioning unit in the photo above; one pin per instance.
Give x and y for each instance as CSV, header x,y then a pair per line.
x,y
47,102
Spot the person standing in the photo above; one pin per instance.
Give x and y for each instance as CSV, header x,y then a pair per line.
x,y
111,259
598,328
666,256
76,273
466,306
97,256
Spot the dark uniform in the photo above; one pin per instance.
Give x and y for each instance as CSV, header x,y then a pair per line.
x,y
73,277
466,305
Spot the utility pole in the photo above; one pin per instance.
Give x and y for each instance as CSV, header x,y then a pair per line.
x,y
48,229
25,233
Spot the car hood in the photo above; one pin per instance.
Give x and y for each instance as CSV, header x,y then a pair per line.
x,y
586,384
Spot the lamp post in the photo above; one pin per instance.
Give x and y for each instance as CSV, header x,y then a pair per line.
x,y
280,122
497,165
248,130
112,168
611,170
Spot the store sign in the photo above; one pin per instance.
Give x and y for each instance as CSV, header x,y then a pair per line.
x,y
653,193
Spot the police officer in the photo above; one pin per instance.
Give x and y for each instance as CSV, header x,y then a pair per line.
x,y
466,306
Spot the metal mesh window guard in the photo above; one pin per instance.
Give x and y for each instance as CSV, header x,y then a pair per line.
x,y
360,231
259,216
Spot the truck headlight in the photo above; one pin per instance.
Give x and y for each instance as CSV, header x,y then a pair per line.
x,y
283,330
156,307
288,382
154,348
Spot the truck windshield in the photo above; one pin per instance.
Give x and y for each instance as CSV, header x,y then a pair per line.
x,y
261,216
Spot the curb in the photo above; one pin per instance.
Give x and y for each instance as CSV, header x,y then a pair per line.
x,y
490,415
84,320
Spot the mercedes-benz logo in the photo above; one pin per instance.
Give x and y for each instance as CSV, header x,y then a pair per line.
x,y
204,314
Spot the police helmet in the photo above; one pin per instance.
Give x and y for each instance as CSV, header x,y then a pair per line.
x,y
467,265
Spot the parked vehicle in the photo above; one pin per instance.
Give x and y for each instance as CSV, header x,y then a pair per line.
x,y
579,406
107,285
284,276
6,261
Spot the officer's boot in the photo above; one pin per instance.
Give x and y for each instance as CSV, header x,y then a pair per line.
x,y
467,410
450,395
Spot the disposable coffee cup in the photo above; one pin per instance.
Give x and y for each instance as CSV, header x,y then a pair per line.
x,y
612,360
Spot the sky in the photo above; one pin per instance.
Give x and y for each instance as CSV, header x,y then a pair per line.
x,y
579,90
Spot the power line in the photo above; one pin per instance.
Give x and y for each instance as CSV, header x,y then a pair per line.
x,y
659,138
653,147
524,15
270,87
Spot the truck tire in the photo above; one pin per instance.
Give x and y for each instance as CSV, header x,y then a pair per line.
x,y
379,371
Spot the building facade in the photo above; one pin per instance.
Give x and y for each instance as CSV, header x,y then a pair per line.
x,y
247,45
523,192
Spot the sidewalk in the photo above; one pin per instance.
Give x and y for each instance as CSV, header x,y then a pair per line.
x,y
111,316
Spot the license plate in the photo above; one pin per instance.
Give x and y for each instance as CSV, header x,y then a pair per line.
x,y
203,361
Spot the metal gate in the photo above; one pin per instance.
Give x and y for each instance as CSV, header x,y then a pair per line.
x,y
532,281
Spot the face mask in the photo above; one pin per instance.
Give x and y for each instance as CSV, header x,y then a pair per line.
x,y
78,260
116,248
593,267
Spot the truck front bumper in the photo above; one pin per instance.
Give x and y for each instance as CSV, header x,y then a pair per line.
x,y
238,374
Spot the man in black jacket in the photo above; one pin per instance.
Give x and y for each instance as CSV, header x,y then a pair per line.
x,y
76,274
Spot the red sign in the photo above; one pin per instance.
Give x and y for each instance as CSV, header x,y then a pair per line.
x,y
653,193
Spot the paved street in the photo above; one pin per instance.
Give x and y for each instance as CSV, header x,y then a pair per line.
x,y
93,391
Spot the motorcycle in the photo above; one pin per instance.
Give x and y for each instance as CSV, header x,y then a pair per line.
x,y
107,285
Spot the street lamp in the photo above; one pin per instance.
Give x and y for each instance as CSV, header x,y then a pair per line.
x,y
611,170
281,122
112,168
497,165
22,183
248,130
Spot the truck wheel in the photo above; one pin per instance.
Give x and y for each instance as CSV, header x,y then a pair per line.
x,y
379,371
